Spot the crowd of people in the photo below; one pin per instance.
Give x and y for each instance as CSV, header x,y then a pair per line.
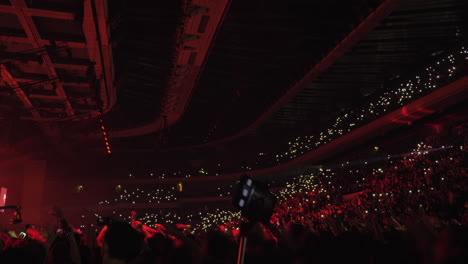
x,y
445,68
430,184
413,209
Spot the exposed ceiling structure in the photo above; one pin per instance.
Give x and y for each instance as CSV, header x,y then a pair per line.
x,y
179,75
55,60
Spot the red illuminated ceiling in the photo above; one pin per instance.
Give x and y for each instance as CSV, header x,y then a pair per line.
x,y
54,62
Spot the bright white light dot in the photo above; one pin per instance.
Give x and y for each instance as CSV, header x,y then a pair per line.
x,y
249,182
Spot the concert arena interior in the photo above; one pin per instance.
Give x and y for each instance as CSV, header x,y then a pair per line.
x,y
233,131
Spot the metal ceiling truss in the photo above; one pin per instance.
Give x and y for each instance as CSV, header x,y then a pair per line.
x,y
99,53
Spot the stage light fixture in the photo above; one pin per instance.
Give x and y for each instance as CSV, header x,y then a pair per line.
x,y
254,199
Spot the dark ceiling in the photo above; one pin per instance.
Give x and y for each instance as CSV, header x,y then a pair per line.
x,y
263,49
259,51
144,40
406,39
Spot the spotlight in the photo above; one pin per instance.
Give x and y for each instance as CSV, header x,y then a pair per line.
x,y
254,199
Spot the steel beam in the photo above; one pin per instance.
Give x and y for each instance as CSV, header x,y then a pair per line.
x,y
26,80
38,12
99,51
35,39
43,42
6,76
71,66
